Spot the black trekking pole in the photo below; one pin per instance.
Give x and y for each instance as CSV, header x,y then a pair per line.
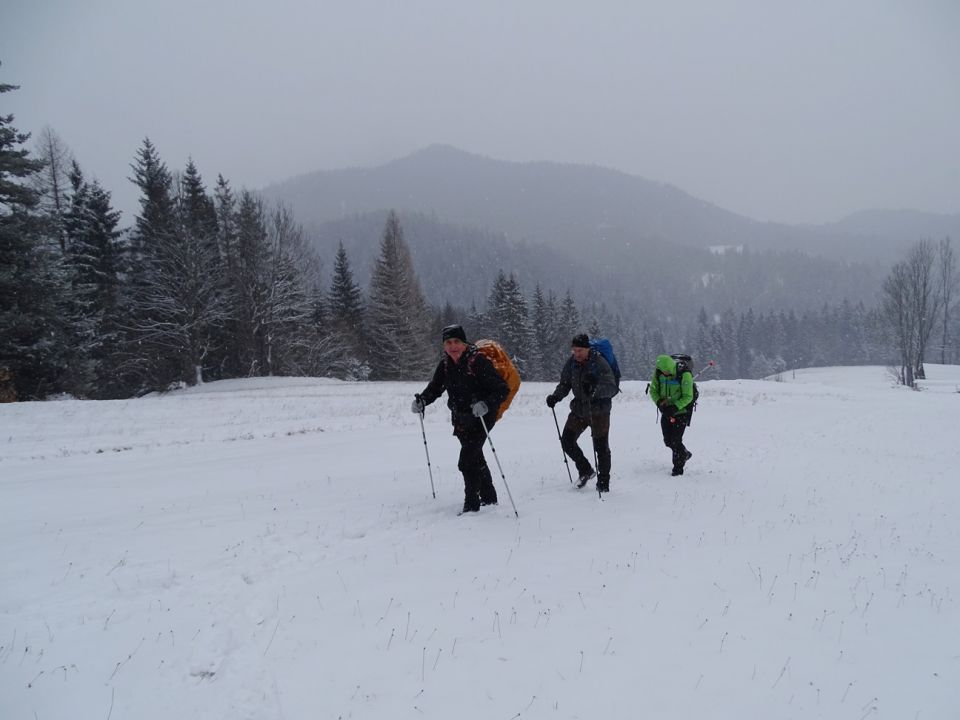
x,y
560,437
502,476
425,448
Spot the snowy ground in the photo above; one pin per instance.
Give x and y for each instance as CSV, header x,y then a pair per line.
x,y
270,549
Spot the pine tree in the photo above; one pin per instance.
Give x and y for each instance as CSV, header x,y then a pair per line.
x,y
543,324
345,316
728,361
199,309
93,256
477,325
745,341
397,313
229,337
569,320
507,318
32,333
178,304
248,287
150,344
707,345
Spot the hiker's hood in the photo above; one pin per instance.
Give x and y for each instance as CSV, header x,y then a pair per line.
x,y
666,364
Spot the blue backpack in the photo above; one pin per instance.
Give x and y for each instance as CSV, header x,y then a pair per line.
x,y
603,346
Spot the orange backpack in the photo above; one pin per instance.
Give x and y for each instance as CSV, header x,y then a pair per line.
x,y
505,368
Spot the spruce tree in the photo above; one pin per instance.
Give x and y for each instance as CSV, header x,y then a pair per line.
x,y
397,313
248,284
150,359
507,315
543,333
198,311
345,314
569,321
229,341
32,332
94,258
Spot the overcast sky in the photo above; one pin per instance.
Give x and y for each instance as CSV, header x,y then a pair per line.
x,y
787,111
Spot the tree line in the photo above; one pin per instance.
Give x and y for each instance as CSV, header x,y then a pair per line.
x,y
214,284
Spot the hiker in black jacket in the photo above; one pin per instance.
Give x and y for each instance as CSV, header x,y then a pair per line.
x,y
590,377
474,390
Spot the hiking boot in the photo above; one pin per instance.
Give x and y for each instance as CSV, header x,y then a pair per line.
x,y
603,486
677,471
489,497
689,455
469,508
585,477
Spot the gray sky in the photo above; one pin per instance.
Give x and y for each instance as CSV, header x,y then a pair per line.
x,y
787,111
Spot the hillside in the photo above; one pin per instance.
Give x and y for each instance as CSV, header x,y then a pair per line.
x,y
458,264
270,549
566,206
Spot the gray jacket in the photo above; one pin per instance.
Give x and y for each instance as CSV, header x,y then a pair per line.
x,y
593,385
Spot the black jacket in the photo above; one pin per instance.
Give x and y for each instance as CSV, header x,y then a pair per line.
x,y
471,380
593,384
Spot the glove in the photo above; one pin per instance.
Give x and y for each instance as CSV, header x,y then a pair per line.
x,y
663,403
551,401
417,406
479,408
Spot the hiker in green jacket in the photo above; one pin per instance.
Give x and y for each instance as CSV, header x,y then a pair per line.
x,y
673,395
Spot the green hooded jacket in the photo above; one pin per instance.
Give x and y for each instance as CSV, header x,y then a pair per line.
x,y
664,385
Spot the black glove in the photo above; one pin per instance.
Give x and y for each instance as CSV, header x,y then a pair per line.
x,y
418,405
551,400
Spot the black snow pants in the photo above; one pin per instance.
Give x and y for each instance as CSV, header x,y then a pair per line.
x,y
600,430
673,428
478,486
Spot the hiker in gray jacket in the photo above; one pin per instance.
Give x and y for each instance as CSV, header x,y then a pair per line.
x,y
589,376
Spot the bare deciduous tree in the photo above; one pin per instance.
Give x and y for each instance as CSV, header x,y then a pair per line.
x,y
52,183
911,304
947,285
291,272
926,298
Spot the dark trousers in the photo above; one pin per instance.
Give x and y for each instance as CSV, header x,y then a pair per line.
x,y
600,430
673,428
478,486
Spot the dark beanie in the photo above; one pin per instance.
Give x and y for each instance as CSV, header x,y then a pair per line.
x,y
454,331
581,340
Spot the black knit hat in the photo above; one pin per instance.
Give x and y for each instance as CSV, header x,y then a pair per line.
x,y
454,331
581,341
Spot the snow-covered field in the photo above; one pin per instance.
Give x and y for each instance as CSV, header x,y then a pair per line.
x,y
270,549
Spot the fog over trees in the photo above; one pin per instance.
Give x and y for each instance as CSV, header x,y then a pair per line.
x,y
207,284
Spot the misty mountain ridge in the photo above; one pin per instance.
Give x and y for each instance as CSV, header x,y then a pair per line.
x,y
601,234
565,205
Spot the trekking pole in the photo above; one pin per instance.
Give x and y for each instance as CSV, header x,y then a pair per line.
x,y
560,437
596,460
426,450
589,402
502,476
710,366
